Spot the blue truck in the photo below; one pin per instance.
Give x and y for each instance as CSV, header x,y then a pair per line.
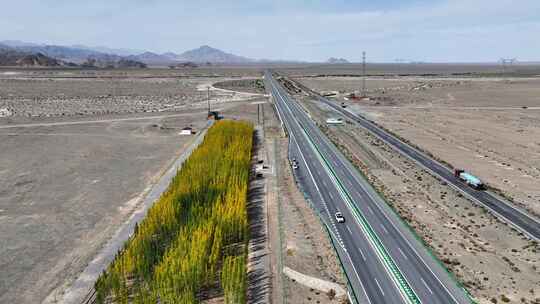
x,y
469,179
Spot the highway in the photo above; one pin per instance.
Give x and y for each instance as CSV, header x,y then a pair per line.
x,y
383,260
503,209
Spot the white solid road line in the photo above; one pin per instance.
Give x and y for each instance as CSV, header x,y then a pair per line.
x,y
450,183
335,182
347,254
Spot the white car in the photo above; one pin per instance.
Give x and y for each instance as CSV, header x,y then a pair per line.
x,y
295,166
339,217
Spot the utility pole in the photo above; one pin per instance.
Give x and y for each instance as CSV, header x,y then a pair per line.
x,y
262,114
364,74
208,98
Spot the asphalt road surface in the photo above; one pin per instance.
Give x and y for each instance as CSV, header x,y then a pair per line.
x,y
383,260
499,206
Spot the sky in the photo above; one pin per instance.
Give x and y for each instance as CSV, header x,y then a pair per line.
x,y
388,30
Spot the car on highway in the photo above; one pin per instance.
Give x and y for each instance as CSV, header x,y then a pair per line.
x,y
339,217
294,163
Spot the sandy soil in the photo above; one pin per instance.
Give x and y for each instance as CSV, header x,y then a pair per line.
x,y
477,124
29,97
492,260
67,183
405,69
65,189
248,85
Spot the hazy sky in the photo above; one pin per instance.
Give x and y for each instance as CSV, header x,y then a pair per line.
x,y
421,30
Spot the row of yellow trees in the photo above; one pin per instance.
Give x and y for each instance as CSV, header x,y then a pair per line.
x,y
233,278
194,231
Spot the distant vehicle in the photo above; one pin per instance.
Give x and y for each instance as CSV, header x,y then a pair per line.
x,y
339,217
469,179
295,166
334,121
343,105
186,131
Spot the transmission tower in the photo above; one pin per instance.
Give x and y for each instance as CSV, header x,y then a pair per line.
x,y
507,62
364,74
208,98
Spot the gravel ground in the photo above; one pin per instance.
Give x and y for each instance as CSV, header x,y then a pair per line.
x,y
65,189
68,182
250,85
477,124
69,97
491,259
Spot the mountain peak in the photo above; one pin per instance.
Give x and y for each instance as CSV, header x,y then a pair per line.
x,y
206,53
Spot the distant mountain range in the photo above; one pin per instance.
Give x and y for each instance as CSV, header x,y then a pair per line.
x,y
80,54
13,57
203,54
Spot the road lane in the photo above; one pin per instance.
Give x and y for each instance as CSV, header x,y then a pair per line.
x,y
409,261
503,209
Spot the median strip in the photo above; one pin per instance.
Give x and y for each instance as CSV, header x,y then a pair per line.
x,y
376,243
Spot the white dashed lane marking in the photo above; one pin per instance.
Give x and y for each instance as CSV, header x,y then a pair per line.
x,y
426,285
402,253
362,254
378,285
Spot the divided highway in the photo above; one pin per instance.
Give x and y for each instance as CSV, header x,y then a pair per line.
x,y
501,208
383,260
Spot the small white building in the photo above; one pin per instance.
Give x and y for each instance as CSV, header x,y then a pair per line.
x,y
186,131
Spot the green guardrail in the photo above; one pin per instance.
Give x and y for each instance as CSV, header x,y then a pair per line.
x,y
333,243
340,261
387,260
428,249
426,246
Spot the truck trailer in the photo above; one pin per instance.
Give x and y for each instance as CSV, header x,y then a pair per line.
x,y
469,179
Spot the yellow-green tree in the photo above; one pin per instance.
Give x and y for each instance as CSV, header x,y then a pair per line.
x,y
178,249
